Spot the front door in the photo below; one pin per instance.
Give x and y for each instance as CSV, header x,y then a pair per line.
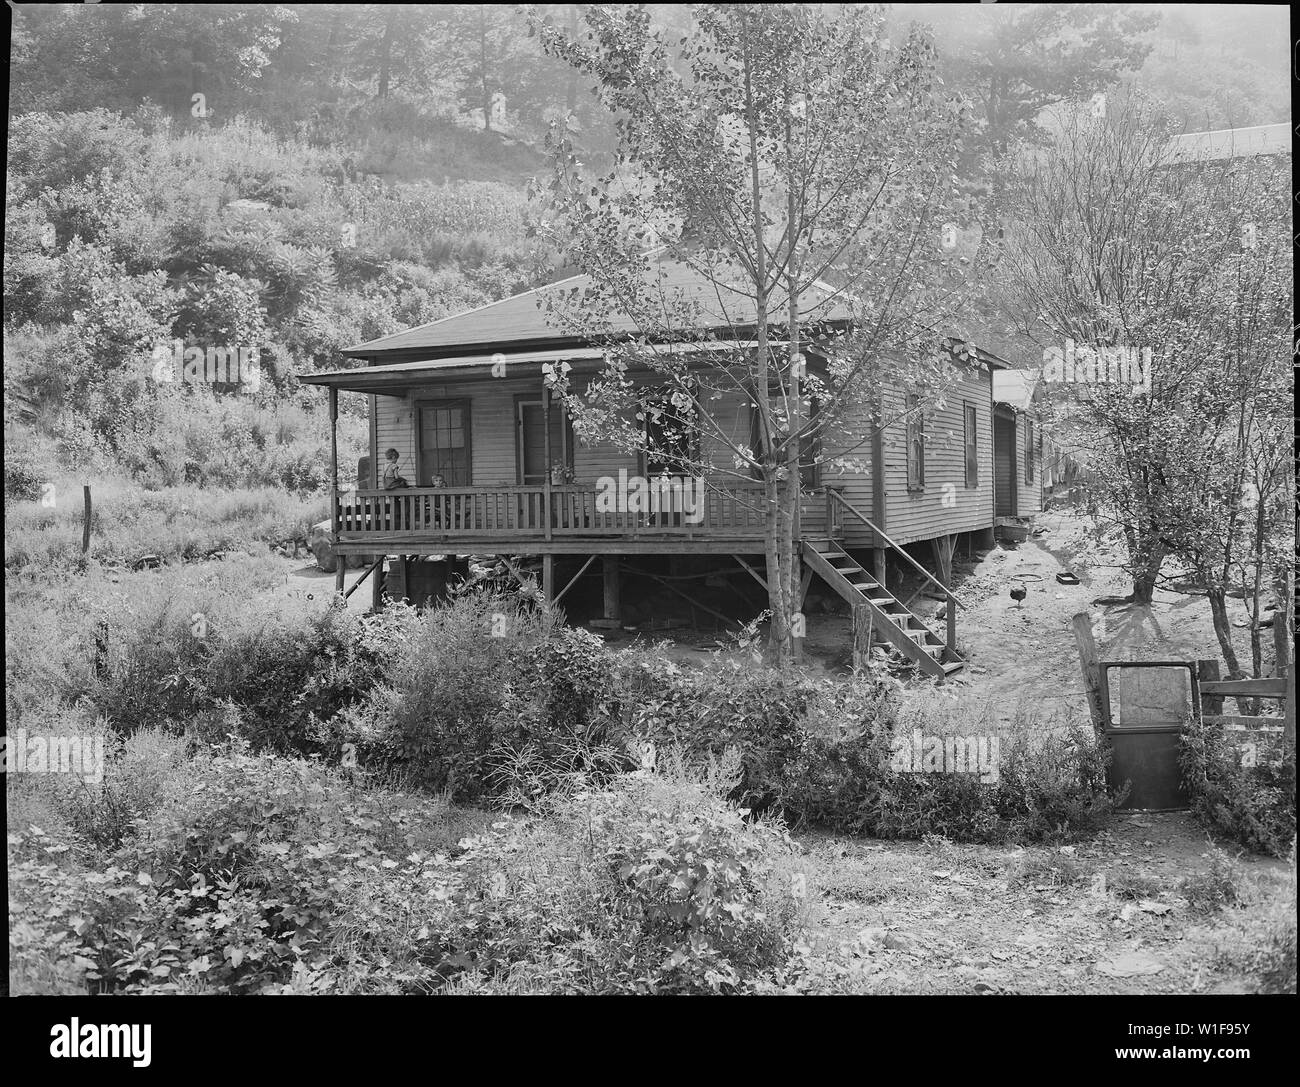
x,y
444,442
530,441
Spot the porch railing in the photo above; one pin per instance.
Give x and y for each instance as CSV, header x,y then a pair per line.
x,y
724,509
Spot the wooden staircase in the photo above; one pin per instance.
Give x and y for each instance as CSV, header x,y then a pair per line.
x,y
892,621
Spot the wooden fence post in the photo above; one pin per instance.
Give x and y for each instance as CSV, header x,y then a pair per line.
x,y
1088,662
85,521
1207,671
863,625
1286,663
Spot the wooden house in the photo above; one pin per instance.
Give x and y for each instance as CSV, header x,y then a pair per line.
x,y
465,399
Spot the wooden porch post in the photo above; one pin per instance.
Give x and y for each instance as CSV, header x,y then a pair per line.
x,y
546,483
878,564
613,594
340,563
548,576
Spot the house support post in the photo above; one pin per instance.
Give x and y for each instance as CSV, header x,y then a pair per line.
x,y
878,564
944,546
548,579
613,585
340,561
377,587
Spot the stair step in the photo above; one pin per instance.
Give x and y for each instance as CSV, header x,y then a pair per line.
x,y
953,666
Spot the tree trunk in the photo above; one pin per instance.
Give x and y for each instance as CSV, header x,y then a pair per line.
x,y
386,53
485,85
1223,629
1144,578
776,528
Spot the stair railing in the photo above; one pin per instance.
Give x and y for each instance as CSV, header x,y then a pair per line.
x,y
834,498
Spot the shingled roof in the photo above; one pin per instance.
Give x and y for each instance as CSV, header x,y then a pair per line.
x,y
521,322
1226,143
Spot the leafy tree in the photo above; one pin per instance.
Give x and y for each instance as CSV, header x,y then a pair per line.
x,y
1119,245
790,158
1013,61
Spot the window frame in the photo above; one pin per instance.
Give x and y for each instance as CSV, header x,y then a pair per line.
x,y
914,439
1029,450
970,443
433,402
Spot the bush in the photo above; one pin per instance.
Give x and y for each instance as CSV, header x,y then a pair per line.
x,y
1253,806
655,884
260,874
1048,789
197,662
491,699
763,714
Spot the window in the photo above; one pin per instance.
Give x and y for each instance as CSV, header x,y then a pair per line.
x,y
972,447
444,438
810,447
915,445
1029,450
672,433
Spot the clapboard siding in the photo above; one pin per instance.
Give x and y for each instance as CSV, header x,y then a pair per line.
x,y
849,440
933,510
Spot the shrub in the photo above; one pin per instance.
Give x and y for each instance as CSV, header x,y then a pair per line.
x,y
763,714
491,699
1048,789
198,661
1251,805
655,884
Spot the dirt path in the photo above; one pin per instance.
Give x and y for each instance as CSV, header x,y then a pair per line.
x,y
1108,916
1027,652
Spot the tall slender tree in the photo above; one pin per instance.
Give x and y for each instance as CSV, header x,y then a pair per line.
x,y
793,160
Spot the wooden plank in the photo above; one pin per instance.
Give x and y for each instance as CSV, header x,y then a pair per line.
x,y
1088,663
1246,688
357,584
573,580
752,572
692,601
1245,720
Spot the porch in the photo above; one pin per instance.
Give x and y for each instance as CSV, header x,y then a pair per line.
x,y
715,516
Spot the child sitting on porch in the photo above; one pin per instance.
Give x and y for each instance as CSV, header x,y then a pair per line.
x,y
433,511
392,478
